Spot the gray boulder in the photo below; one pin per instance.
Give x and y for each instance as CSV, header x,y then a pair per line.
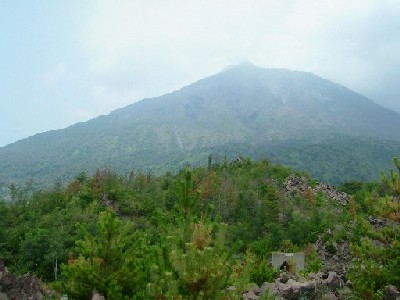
x,y
25,287
391,293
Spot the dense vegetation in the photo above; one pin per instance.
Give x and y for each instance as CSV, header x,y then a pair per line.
x,y
191,234
334,159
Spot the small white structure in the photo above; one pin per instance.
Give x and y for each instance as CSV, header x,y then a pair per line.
x,y
281,259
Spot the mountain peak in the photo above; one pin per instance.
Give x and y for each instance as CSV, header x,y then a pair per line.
x,y
241,65
244,104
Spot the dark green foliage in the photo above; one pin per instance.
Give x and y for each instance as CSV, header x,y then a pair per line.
x,y
313,263
262,271
41,229
111,260
191,234
338,158
201,265
376,262
351,187
393,183
376,250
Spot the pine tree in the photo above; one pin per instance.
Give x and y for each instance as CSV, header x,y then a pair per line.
x,y
393,183
110,261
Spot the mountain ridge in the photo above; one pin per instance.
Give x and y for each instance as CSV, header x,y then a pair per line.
x,y
245,105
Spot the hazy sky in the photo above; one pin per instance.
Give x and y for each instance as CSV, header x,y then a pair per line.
x,y
66,61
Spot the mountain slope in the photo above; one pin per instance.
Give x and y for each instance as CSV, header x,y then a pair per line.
x,y
249,99
243,105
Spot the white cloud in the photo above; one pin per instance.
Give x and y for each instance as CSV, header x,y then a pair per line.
x,y
114,52
145,48
192,33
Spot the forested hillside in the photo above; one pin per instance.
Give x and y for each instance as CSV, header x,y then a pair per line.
x,y
193,234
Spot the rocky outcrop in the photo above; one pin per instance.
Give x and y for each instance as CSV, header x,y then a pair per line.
x,y
336,256
296,185
316,286
391,293
378,222
335,253
25,287
112,204
97,296
300,185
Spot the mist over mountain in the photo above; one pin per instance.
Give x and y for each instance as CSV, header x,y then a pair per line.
x,y
243,110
